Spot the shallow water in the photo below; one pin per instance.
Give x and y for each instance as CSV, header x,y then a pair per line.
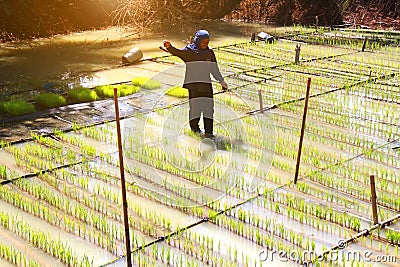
x,y
5,263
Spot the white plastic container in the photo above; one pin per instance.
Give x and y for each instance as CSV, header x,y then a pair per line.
x,y
133,56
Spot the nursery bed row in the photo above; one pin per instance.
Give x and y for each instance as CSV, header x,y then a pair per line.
x,y
286,49
348,39
361,126
333,161
358,173
380,91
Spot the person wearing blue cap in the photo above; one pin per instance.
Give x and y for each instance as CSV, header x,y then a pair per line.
x,y
200,62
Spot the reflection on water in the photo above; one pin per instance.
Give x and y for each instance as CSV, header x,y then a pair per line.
x,y
70,60
86,81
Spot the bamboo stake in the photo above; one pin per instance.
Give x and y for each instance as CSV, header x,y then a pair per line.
x,y
303,124
373,194
253,38
261,101
121,169
297,55
364,44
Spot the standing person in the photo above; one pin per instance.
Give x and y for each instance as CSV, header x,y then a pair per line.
x,y
200,63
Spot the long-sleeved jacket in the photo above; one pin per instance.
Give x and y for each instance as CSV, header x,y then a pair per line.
x,y
199,65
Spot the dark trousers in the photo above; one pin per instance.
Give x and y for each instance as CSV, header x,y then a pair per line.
x,y
201,101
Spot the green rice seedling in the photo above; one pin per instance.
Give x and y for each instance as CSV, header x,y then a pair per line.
x,y
16,257
81,94
393,236
3,172
146,83
123,90
17,107
50,100
178,91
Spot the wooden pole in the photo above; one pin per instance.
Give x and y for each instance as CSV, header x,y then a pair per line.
x,y
364,44
122,172
303,124
297,55
261,101
253,38
373,194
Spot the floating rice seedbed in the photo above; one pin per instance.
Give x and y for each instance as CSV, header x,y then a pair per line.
x,y
382,90
284,50
348,38
194,201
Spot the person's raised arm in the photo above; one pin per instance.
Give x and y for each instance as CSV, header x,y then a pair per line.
x,y
182,54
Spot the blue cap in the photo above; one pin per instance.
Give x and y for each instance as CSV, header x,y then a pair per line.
x,y
200,36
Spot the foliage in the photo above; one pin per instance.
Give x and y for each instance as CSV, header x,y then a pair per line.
x,y
45,18
81,94
17,107
146,83
289,12
36,18
50,100
374,13
145,13
177,91
123,90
